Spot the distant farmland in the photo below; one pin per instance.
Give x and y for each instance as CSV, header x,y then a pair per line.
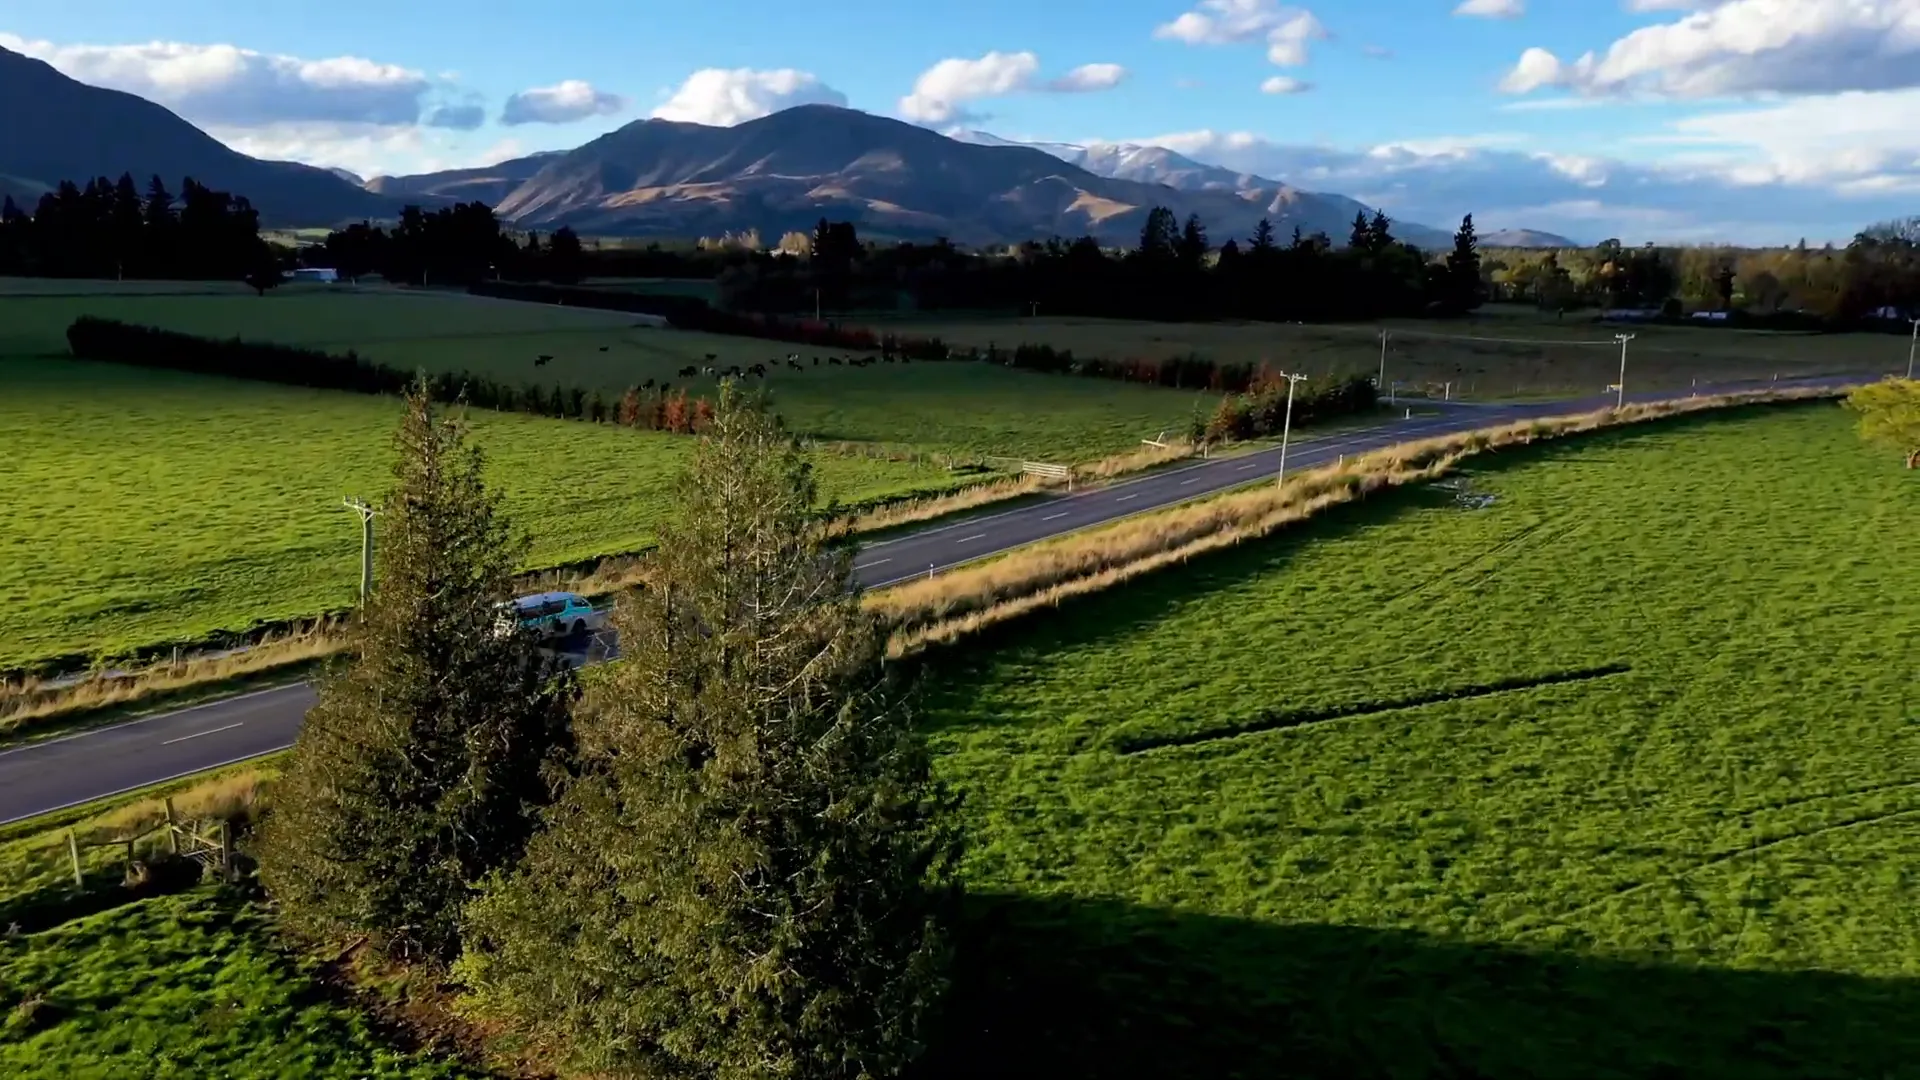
x,y
1603,766
1505,352
955,408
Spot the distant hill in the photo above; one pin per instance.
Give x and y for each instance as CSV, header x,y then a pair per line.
x,y
489,184
1526,238
1286,205
349,176
787,170
53,128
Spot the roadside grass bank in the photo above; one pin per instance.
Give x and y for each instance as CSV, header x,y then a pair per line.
x,y
968,598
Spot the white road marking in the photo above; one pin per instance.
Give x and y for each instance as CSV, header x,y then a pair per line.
x,y
197,734
868,565
90,732
1054,517
1124,498
1244,468
971,539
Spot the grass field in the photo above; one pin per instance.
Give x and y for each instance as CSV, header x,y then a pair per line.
x,y
948,407
183,986
1424,354
147,507
1617,775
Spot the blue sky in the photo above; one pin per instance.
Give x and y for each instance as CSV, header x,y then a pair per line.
x,y
1689,120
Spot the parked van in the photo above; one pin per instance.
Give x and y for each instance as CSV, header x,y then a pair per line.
x,y
555,614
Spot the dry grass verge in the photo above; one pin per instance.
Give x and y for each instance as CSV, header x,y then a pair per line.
x,y
964,600
26,702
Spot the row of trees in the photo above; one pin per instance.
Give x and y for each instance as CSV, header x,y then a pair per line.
x,y
657,407
110,229
1175,272
729,858
457,245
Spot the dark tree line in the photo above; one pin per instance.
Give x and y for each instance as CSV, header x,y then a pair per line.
x,y
462,244
1176,271
111,229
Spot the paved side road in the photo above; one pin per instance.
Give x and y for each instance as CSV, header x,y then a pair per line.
x,y
45,776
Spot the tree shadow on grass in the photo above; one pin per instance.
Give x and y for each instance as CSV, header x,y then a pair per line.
x,y
1117,612
1072,988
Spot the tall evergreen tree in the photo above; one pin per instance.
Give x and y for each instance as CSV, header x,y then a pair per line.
x,y
1191,248
747,878
563,256
1464,289
1159,235
1379,232
1361,239
1263,237
421,767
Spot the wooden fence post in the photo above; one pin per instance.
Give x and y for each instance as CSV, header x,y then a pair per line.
x,y
73,853
226,847
173,828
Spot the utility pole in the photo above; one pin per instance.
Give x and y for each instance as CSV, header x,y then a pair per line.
x,y
366,513
1911,343
816,305
1620,388
1381,384
1286,426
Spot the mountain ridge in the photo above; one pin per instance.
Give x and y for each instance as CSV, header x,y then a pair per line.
x,y
77,132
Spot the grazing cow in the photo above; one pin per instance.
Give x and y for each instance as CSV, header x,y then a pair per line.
x,y
708,370
711,357
541,360
648,385
603,348
758,371
689,371
816,361
733,371
834,360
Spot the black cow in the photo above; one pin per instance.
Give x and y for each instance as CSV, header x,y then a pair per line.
x,y
541,360
689,371
758,371
603,348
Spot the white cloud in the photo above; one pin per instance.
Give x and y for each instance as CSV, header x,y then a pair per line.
x,y
1284,84
941,93
1742,189
1286,30
1492,9
230,87
1742,47
724,97
561,103
1089,77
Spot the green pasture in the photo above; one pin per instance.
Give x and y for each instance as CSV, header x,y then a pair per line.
x,y
1616,775
1502,353
955,408
146,507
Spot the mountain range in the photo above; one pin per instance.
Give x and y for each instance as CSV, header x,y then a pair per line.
x,y
53,128
663,178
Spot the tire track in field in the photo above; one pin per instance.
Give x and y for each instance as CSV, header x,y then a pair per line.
x,y
1450,572
1722,859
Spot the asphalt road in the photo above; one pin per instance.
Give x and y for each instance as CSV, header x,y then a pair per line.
x,y
57,773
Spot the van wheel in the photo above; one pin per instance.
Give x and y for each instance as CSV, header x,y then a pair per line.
x,y
579,627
